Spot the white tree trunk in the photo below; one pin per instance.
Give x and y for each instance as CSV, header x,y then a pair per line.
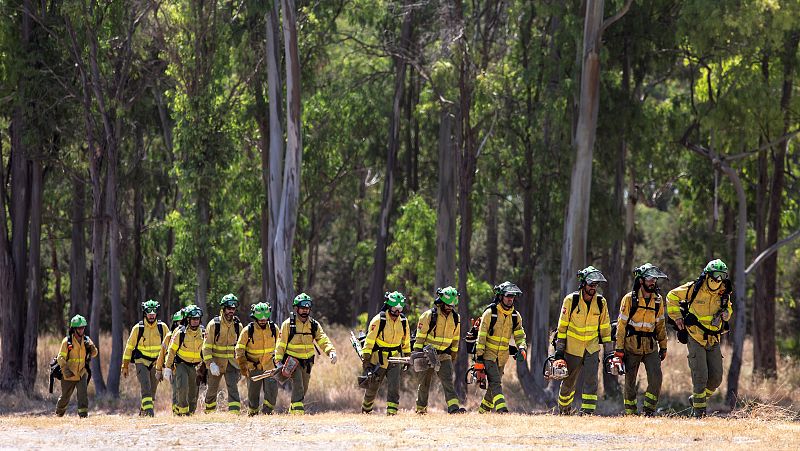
x,y
287,215
446,205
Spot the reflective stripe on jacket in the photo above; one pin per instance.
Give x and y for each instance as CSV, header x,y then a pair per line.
x,y
149,345
645,319
445,335
260,351
302,345
393,336
75,359
223,349
495,347
705,306
581,329
189,351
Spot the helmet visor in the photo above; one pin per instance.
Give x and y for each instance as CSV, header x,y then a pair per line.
x,y
719,275
595,277
305,303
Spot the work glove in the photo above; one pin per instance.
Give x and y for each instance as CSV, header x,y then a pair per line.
x,y
619,353
168,374
159,375
244,370
559,355
662,354
333,357
479,359
521,355
125,369
679,324
214,368
453,355
365,362
725,315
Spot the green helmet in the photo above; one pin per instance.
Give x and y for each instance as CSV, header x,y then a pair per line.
x,y
302,300
262,310
395,299
150,306
229,300
649,271
193,311
590,275
717,269
448,295
78,321
507,289
178,316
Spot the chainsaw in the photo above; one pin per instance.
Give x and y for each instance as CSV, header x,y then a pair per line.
x,y
281,372
420,360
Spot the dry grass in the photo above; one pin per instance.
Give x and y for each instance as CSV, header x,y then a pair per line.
x,y
407,430
333,388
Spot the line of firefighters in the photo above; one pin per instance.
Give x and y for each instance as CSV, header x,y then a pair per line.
x,y
266,354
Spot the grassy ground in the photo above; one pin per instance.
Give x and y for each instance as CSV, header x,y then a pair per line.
x,y
434,431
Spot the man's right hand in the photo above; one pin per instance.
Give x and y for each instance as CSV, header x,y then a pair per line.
x,y
125,369
365,363
679,324
214,369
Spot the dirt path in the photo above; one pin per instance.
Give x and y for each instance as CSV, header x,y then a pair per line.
x,y
347,431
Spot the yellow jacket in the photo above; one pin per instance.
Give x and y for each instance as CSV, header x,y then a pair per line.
x,y
257,353
585,328
444,335
704,307
73,356
394,335
149,345
189,351
646,319
302,343
221,351
494,345
162,354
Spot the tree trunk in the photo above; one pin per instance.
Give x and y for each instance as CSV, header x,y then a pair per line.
x,y
77,253
376,287
576,224
492,224
97,263
287,216
765,363
202,263
276,153
446,201
29,360
58,316
9,376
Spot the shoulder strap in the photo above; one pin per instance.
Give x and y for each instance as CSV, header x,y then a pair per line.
x,y
493,321
182,336
237,325
217,322
273,328
292,328
455,317
514,320
382,324
140,325
433,319
405,324
162,330
314,328
574,304
250,328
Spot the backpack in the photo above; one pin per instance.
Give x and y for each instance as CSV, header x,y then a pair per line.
x,y
493,321
237,325
182,335
136,354
252,327
382,324
691,320
435,318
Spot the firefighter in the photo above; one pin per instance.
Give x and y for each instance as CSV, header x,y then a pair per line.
x,y
700,310
222,333
255,353
144,344
297,339
501,325
642,337
582,326
73,357
388,336
440,328
184,351
178,320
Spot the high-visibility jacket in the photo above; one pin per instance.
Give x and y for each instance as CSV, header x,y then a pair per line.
x,y
586,327
648,323
494,345
443,336
258,351
221,350
393,341
188,351
302,343
149,345
162,354
74,358
704,307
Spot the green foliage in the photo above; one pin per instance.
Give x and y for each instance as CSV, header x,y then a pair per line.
x,y
413,252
